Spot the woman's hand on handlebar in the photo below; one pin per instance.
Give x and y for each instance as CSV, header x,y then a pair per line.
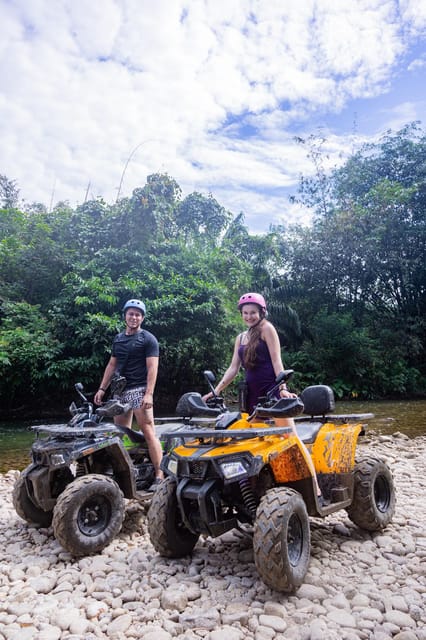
x,y
207,396
285,393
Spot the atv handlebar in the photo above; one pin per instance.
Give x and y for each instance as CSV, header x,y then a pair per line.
x,y
283,408
192,405
281,378
108,409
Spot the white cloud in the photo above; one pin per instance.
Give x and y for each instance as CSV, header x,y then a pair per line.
x,y
209,91
417,64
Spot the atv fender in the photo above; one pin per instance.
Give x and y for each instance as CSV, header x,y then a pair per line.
x,y
123,469
39,482
288,462
334,448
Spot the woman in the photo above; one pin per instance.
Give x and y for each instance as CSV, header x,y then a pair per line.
x,y
258,351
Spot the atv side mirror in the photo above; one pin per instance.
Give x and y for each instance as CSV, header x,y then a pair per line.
x,y
79,388
211,378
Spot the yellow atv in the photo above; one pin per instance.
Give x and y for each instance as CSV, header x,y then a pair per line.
x,y
243,472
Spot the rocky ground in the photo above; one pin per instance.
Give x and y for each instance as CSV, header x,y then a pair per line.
x,y
359,585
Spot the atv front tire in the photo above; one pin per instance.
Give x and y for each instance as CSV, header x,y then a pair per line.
x,y
282,539
373,503
169,535
88,514
25,507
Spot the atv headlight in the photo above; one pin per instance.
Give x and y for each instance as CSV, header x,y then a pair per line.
x,y
233,469
172,466
57,459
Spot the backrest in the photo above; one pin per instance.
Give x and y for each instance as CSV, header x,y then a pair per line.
x,y
318,400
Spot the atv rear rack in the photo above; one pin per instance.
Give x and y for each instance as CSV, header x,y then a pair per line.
x,y
335,417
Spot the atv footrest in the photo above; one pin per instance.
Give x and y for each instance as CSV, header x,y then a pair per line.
x,y
219,528
339,494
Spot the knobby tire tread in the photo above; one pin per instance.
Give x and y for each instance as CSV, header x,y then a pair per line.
x,y
270,539
364,511
168,535
65,514
26,509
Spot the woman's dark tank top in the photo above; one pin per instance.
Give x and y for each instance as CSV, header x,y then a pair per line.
x,y
261,378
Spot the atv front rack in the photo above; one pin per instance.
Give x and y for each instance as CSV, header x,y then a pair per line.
x,y
228,436
87,429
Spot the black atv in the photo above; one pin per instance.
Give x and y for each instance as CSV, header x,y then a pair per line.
x,y
82,471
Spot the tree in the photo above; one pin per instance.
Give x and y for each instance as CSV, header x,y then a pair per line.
x,y
9,193
365,252
198,216
27,348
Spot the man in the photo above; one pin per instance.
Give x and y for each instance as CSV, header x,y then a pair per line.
x,y
135,355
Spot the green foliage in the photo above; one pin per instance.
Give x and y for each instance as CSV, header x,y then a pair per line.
x,y
340,354
27,349
9,193
347,294
366,260
198,217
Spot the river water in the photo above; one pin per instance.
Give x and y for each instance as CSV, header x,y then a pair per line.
x,y
408,417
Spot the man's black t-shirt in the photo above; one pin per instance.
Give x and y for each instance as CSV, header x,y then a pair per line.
x,y
131,353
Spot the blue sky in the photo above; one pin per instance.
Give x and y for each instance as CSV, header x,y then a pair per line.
x,y
211,92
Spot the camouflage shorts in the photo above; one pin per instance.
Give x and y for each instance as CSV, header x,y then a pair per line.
x,y
134,397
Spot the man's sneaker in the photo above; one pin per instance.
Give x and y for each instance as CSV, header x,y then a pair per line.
x,y
155,484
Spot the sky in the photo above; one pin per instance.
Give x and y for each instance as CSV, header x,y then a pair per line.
x,y
97,95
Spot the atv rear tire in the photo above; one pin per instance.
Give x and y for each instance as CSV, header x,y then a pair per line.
x,y
169,536
88,514
373,503
282,539
25,507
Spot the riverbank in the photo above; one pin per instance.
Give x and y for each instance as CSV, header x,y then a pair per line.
x,y
359,586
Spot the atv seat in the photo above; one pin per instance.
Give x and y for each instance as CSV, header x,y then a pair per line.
x,y
318,400
135,436
319,403
308,431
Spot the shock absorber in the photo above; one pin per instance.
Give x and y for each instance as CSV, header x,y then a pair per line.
x,y
248,496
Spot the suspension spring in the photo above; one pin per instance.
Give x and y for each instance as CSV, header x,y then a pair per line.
x,y
248,496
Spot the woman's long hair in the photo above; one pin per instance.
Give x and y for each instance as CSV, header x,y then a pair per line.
x,y
253,339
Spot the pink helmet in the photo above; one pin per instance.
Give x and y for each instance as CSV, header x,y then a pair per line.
x,y
252,298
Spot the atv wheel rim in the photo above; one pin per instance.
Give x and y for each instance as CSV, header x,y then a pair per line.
x,y
382,495
294,540
94,516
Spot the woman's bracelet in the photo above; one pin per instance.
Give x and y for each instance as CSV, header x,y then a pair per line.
x,y
101,389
